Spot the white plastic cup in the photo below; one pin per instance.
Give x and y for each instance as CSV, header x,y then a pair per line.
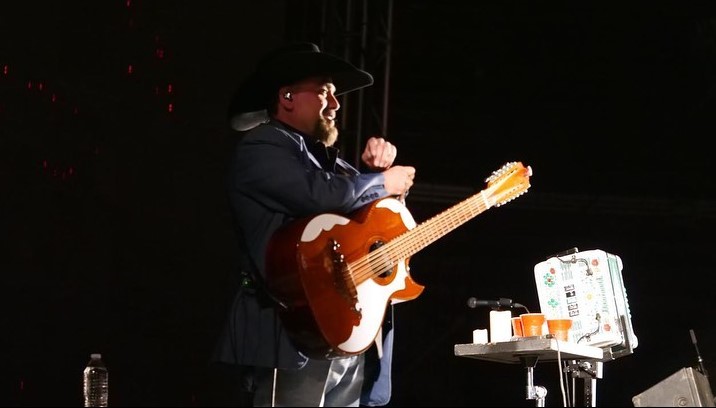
x,y
479,336
500,325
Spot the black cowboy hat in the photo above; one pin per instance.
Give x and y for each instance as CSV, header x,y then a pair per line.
x,y
284,66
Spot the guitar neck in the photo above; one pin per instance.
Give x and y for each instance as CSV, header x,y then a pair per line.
x,y
424,234
504,185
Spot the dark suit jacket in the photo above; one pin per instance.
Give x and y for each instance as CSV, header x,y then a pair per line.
x,y
276,176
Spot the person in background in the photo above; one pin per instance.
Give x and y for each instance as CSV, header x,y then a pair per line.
x,y
285,168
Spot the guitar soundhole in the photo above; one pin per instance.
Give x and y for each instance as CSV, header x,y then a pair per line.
x,y
387,262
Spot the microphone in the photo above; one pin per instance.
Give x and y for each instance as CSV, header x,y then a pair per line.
x,y
473,302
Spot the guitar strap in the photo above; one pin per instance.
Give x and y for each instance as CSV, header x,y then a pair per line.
x,y
252,282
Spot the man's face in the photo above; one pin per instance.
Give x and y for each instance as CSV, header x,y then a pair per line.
x,y
314,109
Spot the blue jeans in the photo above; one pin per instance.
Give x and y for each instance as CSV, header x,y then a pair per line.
x,y
320,383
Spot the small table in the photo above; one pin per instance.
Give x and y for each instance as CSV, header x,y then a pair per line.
x,y
527,351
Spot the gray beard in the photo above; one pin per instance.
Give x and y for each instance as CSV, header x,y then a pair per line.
x,y
325,132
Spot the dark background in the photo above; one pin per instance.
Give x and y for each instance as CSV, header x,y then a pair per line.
x,y
116,233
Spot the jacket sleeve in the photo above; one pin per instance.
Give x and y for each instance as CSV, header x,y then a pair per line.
x,y
277,169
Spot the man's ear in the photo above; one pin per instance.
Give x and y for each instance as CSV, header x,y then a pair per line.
x,y
285,98
284,93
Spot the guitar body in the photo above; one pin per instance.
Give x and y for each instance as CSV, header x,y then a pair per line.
x,y
337,274
333,311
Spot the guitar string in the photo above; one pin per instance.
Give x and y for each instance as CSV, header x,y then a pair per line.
x,y
380,260
366,267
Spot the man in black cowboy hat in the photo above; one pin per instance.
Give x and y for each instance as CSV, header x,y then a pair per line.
x,y
285,168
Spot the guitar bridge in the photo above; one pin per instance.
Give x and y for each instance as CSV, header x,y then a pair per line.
x,y
342,277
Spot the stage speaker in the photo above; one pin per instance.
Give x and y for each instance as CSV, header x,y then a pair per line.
x,y
685,388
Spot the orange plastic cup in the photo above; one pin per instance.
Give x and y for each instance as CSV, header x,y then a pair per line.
x,y
517,327
559,328
532,324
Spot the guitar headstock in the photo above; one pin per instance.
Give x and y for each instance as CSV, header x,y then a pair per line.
x,y
509,182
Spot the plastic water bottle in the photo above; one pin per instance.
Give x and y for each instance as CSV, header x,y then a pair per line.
x,y
96,382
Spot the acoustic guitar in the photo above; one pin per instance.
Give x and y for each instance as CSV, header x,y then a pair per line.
x,y
336,274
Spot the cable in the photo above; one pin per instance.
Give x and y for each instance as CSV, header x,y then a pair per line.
x,y
273,387
561,377
565,376
599,324
574,387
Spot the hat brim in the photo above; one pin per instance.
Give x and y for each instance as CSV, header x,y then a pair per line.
x,y
256,91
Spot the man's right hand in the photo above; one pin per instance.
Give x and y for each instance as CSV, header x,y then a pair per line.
x,y
399,179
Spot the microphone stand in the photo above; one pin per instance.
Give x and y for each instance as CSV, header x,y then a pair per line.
x,y
534,392
702,368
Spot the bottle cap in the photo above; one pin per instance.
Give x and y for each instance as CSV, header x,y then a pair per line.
x,y
96,356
